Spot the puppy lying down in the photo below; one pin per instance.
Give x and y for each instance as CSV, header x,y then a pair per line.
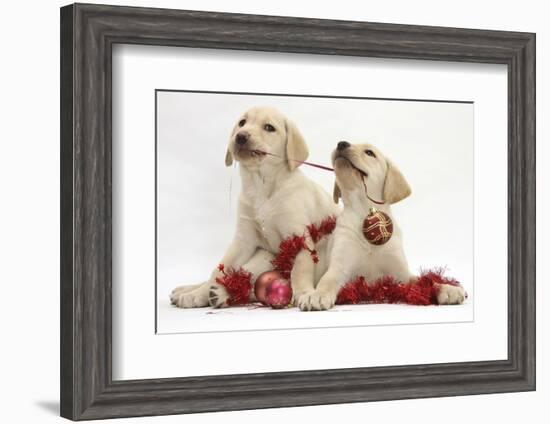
x,y
362,168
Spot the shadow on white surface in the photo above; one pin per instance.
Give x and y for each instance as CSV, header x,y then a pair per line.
x,y
51,406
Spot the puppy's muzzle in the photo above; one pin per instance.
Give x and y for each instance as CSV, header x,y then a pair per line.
x,y
242,138
342,145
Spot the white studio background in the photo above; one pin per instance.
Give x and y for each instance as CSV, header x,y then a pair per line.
x,y
139,70
431,142
30,230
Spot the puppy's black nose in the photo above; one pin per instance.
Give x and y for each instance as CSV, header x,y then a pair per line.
x,y
342,145
241,138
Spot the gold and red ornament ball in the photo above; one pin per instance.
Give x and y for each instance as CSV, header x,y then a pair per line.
x,y
377,227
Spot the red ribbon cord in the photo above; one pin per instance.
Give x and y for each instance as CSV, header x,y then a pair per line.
x,y
326,168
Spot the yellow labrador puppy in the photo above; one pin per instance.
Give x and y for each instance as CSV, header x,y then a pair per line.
x,y
350,255
277,201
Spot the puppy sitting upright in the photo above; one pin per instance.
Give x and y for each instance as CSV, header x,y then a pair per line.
x,y
276,202
363,174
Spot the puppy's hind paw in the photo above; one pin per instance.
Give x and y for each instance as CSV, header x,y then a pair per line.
x,y
450,295
218,296
316,301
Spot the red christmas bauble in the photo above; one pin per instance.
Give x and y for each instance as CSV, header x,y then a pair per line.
x,y
278,293
377,227
264,280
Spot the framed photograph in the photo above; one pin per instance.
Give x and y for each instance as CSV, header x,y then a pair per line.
x,y
263,211
206,236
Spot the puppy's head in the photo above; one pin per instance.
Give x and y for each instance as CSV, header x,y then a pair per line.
x,y
260,131
359,164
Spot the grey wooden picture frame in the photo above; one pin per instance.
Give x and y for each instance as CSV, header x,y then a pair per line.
x,y
88,33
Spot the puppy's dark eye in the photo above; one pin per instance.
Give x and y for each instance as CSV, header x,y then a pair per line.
x,y
242,122
269,128
369,152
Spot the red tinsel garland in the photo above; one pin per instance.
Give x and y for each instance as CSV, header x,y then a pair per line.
x,y
291,246
422,290
238,284
326,227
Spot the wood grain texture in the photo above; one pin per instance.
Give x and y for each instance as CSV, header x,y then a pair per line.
x,y
88,33
66,214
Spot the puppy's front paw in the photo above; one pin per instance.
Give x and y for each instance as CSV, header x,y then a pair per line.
x,y
316,300
450,295
218,296
196,298
296,296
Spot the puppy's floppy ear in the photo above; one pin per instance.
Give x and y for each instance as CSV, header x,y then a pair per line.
x,y
296,147
336,193
228,154
396,188
228,158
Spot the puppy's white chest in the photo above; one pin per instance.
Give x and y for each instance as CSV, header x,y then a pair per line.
x,y
369,257
264,226
355,254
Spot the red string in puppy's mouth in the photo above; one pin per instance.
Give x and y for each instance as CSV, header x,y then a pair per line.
x,y
252,152
315,165
257,152
361,173
326,168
